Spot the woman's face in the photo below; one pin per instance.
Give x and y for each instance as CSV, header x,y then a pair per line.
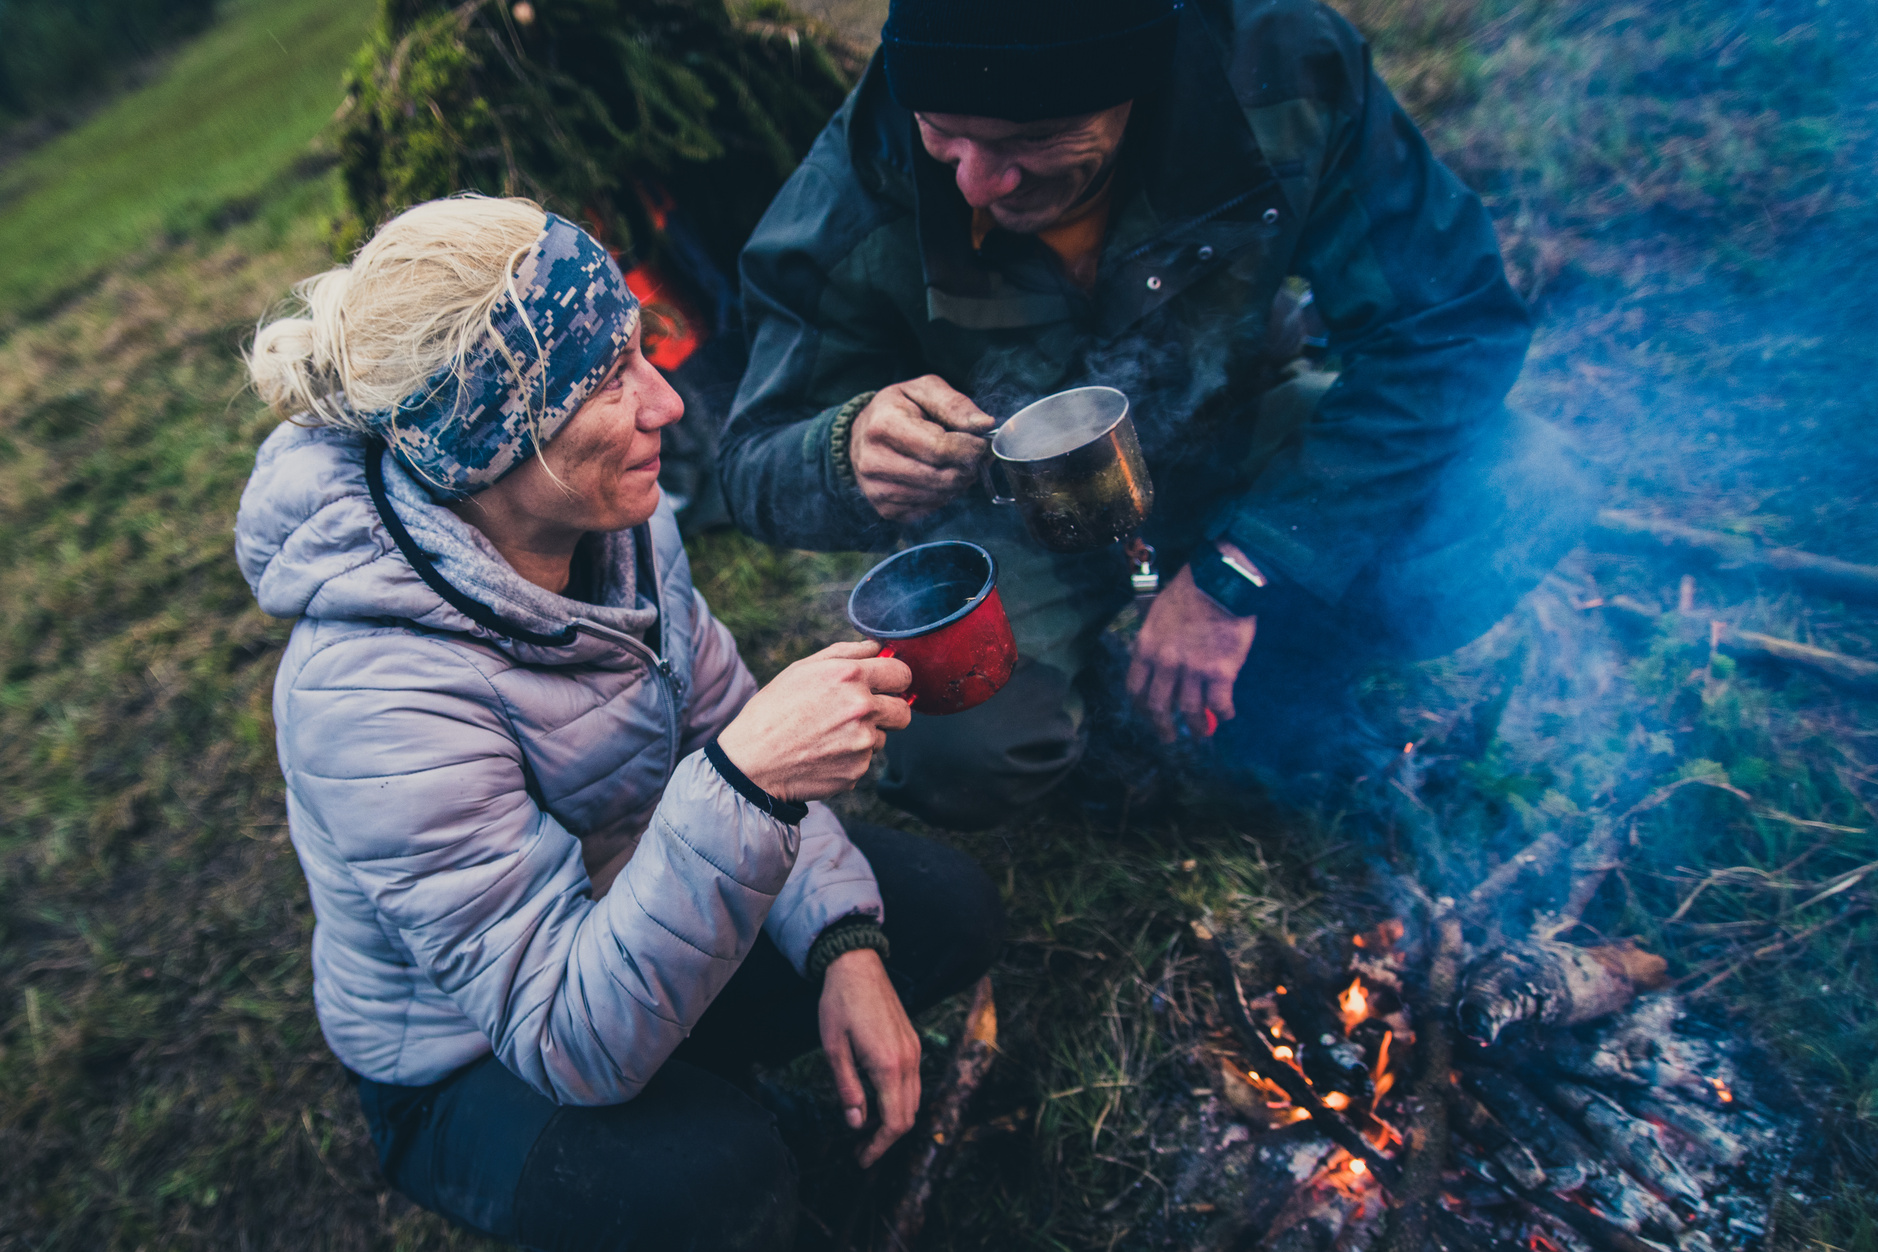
x,y
605,460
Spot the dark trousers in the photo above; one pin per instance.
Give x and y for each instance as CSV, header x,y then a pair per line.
x,y
691,1162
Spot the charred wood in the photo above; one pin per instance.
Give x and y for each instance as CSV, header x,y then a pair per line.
x,y
1231,997
1454,1233
1702,1129
1543,981
1632,1142
1599,1232
1474,1123
1569,1159
1417,1196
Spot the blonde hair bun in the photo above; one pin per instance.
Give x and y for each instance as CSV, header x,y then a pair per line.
x,y
417,297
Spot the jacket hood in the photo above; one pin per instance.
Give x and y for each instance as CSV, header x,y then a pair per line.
x,y
311,543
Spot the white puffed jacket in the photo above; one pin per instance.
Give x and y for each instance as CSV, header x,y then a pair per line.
x,y
454,738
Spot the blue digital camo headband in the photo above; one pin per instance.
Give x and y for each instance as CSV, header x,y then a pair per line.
x,y
466,428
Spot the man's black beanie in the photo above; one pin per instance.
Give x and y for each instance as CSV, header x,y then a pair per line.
x,y
1023,60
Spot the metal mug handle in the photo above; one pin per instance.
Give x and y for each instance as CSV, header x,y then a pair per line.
x,y
886,653
987,476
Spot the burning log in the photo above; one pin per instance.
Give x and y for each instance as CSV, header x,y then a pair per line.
x,y
1700,1128
1279,1069
1632,1142
1551,983
969,1064
1572,1162
1642,1048
1426,1145
1822,573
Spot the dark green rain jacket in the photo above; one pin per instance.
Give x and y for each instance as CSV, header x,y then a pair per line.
x,y
1275,151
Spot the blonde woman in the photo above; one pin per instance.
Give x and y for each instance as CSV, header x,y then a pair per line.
x,y
568,866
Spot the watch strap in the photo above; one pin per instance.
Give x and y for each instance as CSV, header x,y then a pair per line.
x,y
1226,585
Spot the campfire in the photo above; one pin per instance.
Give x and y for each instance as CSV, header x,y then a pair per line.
x,y
1423,1093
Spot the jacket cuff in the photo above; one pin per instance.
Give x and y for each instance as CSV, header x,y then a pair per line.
x,y
838,434
789,811
850,934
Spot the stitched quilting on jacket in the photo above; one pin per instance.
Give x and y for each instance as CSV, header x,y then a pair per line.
x,y
445,775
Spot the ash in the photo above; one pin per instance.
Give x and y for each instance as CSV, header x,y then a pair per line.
x,y
1646,1126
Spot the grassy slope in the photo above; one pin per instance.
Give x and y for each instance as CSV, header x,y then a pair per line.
x,y
227,122
162,1082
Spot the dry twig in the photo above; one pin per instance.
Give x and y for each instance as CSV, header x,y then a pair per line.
x,y
977,1046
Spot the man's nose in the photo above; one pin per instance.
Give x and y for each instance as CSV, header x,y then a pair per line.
x,y
983,178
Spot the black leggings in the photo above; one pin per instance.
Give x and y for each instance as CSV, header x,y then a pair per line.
x,y
691,1162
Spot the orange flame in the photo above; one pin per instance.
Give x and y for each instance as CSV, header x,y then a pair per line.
x,y
1336,1100
1354,1005
1385,1077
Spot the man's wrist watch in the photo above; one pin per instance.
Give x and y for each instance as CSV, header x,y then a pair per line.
x,y
1239,589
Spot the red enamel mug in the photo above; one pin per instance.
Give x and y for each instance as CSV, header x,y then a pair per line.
x,y
936,607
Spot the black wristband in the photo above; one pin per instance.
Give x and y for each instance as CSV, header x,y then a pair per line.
x,y
1224,585
790,811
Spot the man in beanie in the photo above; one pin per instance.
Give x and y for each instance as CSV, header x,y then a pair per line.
x,y
1034,195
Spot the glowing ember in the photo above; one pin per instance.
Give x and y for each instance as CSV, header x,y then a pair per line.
x,y
1359,1166
1336,1100
1721,1091
1280,991
1354,1005
1283,1052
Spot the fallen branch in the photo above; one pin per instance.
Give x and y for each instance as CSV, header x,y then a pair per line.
x,y
1848,672
977,1047
1295,1084
1821,573
1426,1145
1537,857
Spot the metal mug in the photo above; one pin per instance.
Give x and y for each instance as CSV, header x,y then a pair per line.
x,y
1075,469
936,607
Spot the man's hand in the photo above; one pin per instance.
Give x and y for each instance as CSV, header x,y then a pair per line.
x,y
813,732
1187,657
916,446
864,1028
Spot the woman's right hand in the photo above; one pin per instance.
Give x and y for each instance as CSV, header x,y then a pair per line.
x,y
812,733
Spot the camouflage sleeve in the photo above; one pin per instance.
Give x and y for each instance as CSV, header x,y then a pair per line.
x,y
1407,274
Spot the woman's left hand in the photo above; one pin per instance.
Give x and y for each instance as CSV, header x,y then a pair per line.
x,y
865,1028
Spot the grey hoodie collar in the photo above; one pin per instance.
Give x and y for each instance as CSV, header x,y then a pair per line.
x,y
310,542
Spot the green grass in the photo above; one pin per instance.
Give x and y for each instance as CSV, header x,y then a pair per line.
x,y
227,125
162,1079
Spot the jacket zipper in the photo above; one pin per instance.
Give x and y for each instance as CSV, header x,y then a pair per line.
x,y
654,661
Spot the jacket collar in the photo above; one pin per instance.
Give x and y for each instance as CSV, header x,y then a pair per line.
x,y
1192,179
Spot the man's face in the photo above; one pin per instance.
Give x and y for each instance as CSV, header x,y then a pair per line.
x,y
1027,174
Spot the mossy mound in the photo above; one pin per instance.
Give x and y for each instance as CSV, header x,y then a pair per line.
x,y
603,110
